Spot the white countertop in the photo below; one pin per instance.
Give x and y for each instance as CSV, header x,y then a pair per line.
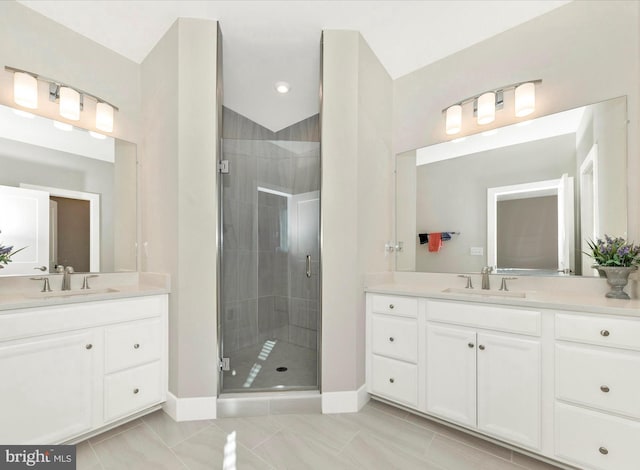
x,y
586,300
15,295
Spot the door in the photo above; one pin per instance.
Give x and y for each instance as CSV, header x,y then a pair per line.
x,y
24,223
52,379
509,388
451,373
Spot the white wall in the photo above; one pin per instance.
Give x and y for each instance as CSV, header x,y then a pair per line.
x,y
357,198
29,41
585,52
179,195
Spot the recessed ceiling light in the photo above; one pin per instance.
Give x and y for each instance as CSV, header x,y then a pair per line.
x,y
282,87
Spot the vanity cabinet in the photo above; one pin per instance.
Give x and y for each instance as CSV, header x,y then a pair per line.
x,y
393,369
70,370
597,390
484,379
47,387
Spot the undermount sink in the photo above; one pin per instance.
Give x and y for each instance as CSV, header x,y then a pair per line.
x,y
71,293
485,293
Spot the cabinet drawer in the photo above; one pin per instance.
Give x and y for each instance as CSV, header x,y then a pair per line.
x,y
392,305
131,390
513,320
602,330
605,379
596,440
395,380
395,337
132,344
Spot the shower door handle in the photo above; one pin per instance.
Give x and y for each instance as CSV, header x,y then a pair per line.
x,y
308,265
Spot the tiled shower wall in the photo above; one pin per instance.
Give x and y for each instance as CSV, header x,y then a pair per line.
x,y
265,291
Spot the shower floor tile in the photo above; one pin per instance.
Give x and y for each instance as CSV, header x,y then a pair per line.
x,y
256,367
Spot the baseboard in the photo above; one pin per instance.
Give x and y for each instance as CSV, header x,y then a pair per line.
x,y
191,408
351,401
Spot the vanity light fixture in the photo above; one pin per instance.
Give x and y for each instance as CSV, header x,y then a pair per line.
x,y
282,87
70,99
487,103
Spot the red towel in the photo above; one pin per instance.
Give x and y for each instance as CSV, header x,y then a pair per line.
x,y
435,242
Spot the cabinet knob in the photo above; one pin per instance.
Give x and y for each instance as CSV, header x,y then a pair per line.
x,y
603,450
391,339
604,388
481,347
136,346
136,390
391,306
88,346
604,332
392,380
471,345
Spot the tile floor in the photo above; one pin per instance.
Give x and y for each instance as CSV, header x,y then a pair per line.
x,y
378,437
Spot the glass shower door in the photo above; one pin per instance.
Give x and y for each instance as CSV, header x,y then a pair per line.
x,y
270,289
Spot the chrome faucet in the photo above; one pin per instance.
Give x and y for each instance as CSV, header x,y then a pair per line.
x,y
485,277
66,278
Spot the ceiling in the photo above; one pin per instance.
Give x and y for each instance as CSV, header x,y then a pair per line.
x,y
268,41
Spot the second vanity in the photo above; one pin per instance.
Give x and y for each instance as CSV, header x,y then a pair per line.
x,y
76,363
552,375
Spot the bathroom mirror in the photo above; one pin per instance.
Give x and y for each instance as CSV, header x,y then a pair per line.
x,y
66,197
524,199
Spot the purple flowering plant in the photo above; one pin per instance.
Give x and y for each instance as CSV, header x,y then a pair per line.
x,y
614,252
6,252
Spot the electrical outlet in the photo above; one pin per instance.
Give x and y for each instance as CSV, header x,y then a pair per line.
x,y
476,251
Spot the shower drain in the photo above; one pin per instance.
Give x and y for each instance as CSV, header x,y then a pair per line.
x,y
281,369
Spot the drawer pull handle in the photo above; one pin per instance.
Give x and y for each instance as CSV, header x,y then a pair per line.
x,y
392,380
604,332
481,347
603,450
391,306
604,388
391,339
89,346
136,346
471,345
135,391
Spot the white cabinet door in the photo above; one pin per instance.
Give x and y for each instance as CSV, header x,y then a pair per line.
x,y
451,373
509,388
47,388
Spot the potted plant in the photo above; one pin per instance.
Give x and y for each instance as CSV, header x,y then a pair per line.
x,y
6,252
616,259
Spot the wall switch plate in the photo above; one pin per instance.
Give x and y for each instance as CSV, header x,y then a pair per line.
x,y
476,251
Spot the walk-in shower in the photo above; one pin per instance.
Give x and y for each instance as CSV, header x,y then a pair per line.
x,y
270,253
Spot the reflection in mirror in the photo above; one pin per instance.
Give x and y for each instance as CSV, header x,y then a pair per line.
x,y
67,197
525,199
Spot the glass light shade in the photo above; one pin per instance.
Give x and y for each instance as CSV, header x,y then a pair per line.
x,y
487,108
69,103
525,99
25,90
453,122
104,117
